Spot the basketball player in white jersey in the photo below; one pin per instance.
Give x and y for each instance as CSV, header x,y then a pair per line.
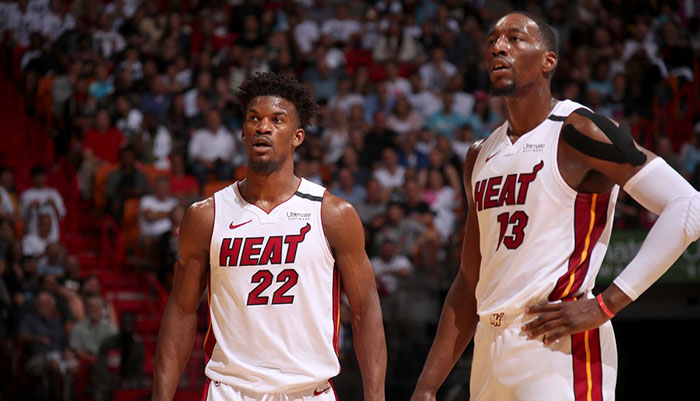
x,y
541,191
271,250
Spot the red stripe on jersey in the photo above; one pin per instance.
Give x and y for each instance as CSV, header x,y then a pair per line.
x,y
209,338
205,393
336,308
590,218
588,371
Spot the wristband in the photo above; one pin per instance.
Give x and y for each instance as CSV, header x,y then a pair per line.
x,y
604,307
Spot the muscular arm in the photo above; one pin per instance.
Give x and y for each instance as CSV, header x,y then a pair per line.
x,y
665,242
179,324
346,237
458,319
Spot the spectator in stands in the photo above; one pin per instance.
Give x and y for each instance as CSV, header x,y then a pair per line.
x,y
157,101
448,119
341,27
168,246
88,334
390,175
464,138
53,260
71,278
128,118
381,101
323,79
438,72
204,86
126,182
154,217
34,244
401,231
100,145
183,187
390,268
8,199
335,137
106,39
423,100
396,45
41,332
306,32
374,204
128,366
7,236
211,150
379,138
103,84
57,21
153,142
482,120
346,187
41,199
403,118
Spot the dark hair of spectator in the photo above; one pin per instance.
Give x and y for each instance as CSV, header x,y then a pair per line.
x,y
271,84
37,170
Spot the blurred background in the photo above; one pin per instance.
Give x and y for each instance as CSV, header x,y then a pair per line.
x,y
117,115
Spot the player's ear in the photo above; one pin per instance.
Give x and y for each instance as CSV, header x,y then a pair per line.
x,y
299,136
549,63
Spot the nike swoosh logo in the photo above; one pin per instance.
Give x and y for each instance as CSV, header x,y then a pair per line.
x,y
234,226
489,158
316,392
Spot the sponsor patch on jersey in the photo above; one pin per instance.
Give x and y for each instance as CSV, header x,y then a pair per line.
x,y
298,216
533,147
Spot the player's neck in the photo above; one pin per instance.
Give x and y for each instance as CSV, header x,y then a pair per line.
x,y
526,110
269,189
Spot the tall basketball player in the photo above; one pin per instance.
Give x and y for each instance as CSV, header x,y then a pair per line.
x,y
541,191
272,251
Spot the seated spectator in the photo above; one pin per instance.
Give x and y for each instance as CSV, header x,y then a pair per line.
x,y
204,85
346,187
403,118
483,120
390,175
447,120
41,333
211,150
40,199
34,244
323,79
437,72
396,44
91,287
397,85
341,27
71,278
8,198
381,101
442,199
335,137
103,84
389,268
157,101
402,231
7,237
123,354
464,139
374,204
183,186
52,262
153,142
100,145
423,100
128,118
410,156
126,182
345,98
154,218
88,334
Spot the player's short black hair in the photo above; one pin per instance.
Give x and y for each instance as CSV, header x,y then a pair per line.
x,y
279,85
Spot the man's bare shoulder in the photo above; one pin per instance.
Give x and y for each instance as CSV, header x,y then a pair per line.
x,y
197,224
340,219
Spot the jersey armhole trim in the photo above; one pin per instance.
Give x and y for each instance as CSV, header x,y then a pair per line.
x,y
558,178
327,248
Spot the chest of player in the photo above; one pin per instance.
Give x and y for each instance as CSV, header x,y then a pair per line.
x,y
507,174
246,241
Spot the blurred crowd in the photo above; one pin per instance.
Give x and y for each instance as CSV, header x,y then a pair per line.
x,y
141,107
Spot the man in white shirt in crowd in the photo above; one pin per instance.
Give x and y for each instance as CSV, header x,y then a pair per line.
x,y
204,84
390,268
40,199
342,27
437,73
211,150
154,217
22,21
34,244
306,32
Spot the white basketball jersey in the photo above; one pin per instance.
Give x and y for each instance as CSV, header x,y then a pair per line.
x,y
540,240
273,294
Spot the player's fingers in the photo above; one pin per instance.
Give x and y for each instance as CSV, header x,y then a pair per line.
x,y
553,336
541,319
543,328
551,307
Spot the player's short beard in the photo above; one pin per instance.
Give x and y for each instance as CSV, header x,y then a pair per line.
x,y
506,90
266,166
